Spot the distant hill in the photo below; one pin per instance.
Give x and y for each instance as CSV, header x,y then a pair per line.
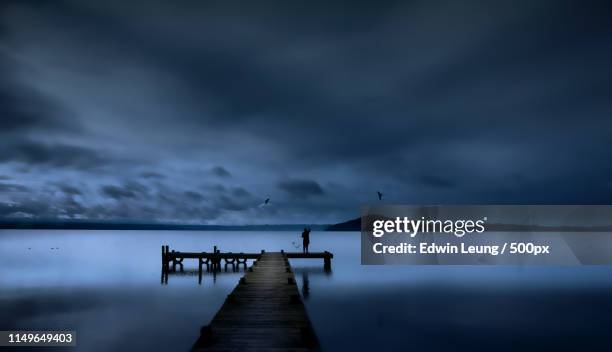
x,y
350,225
355,224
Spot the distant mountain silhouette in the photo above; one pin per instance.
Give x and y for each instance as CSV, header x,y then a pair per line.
x,y
350,225
355,224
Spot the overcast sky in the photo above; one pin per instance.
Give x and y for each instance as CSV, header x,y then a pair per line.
x,y
197,112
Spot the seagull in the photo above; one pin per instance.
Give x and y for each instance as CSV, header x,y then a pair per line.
x,y
265,203
379,195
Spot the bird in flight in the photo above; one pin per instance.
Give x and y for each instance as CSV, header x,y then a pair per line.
x,y
379,195
265,203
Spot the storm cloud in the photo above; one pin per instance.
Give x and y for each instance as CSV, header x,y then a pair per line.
x,y
117,192
301,188
198,112
220,171
52,155
9,187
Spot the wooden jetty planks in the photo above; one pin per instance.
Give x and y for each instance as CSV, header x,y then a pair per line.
x,y
263,312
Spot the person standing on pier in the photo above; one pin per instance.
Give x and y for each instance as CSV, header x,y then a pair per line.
x,y
305,239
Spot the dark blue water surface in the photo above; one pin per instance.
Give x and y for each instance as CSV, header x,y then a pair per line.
x,y
106,286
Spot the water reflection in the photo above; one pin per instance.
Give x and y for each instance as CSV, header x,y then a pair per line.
x,y
201,274
233,268
305,273
305,285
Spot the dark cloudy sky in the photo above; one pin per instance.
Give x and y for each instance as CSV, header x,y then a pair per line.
x,y
198,111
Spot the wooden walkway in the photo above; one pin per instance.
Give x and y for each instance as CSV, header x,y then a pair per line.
x,y
264,312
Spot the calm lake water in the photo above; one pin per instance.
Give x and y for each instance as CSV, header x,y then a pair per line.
x,y
106,286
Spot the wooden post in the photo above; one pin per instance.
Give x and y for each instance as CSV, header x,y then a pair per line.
x,y
167,261
327,262
164,271
180,263
163,257
163,268
215,265
241,260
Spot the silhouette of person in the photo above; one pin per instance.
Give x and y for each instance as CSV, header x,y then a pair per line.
x,y
305,239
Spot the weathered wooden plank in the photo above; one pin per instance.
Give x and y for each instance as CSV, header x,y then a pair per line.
x,y
263,312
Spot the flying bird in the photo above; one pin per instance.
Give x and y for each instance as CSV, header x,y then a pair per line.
x,y
379,195
265,203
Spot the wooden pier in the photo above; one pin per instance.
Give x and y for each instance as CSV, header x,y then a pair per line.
x,y
172,259
264,312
